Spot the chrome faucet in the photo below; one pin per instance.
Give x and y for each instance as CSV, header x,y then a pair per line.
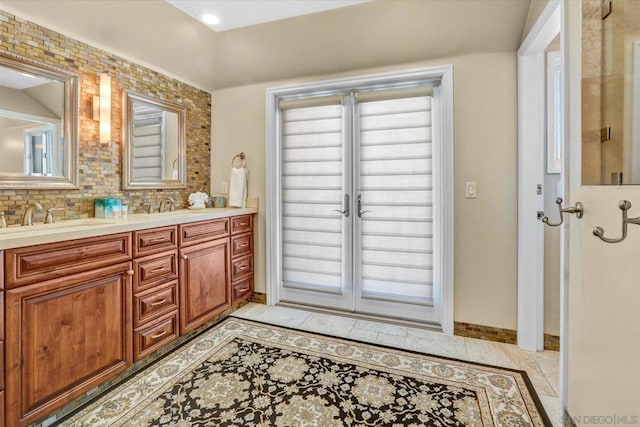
x,y
49,219
27,218
170,201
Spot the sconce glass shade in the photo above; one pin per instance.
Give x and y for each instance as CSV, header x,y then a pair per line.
x,y
105,109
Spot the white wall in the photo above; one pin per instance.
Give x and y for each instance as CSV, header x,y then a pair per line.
x,y
485,152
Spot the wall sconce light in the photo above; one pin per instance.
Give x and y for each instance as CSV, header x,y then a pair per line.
x,y
102,108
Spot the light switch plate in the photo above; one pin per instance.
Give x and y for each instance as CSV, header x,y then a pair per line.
x,y
470,190
224,187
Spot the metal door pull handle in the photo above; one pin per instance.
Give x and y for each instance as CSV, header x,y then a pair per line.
x,y
360,211
159,302
345,210
578,209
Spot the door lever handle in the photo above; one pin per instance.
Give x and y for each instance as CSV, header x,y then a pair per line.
x,y
360,211
345,211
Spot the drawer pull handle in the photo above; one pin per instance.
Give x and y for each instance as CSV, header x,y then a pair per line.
x,y
130,272
243,289
243,267
159,302
161,334
159,240
241,224
157,270
243,245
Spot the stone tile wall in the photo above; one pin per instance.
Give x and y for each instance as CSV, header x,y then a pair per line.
x,y
99,166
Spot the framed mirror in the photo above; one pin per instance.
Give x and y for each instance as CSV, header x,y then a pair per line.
x,y
154,143
610,92
38,125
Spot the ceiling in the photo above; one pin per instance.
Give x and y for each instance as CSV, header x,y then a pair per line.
x,y
237,14
379,33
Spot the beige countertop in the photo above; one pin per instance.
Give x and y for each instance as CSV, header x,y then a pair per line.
x,y
17,236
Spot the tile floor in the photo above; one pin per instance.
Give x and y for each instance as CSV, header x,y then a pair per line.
x,y
542,368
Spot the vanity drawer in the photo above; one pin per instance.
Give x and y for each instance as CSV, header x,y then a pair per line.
x,y
155,302
241,224
204,231
242,289
241,267
150,338
242,244
39,263
154,240
153,269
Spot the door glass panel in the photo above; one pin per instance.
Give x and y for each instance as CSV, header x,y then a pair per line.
x,y
312,193
395,242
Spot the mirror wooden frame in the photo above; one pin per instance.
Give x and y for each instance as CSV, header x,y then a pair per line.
x,y
69,180
128,183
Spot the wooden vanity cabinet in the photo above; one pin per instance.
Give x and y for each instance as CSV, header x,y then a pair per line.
x,y
205,278
155,285
242,256
65,336
78,312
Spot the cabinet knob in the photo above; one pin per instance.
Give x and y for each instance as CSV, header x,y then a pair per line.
x,y
130,272
185,256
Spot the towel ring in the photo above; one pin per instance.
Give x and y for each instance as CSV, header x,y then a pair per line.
x,y
241,161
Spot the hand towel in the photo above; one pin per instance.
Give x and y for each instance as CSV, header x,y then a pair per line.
x,y
238,188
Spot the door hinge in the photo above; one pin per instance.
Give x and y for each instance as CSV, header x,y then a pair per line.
x,y
605,134
539,189
540,214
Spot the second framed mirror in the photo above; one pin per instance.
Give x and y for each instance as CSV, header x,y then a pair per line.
x,y
154,143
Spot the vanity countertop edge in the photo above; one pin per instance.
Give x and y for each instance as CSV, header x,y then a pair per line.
x,y
16,237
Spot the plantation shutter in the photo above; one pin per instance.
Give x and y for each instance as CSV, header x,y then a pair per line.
x,y
396,185
312,192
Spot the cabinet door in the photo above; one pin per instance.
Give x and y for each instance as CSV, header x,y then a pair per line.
x,y
205,283
64,337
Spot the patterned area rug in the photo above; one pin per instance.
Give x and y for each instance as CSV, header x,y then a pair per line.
x,y
241,373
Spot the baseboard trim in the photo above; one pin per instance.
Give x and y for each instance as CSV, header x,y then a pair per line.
x,y
470,330
259,298
508,336
551,342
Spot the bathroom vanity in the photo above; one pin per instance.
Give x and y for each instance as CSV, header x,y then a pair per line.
x,y
85,299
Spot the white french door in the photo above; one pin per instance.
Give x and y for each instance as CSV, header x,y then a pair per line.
x,y
393,187
358,212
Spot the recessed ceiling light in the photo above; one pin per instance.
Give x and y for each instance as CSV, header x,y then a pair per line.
x,y
210,19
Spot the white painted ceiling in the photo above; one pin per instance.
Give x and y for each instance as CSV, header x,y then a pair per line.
x,y
378,33
244,13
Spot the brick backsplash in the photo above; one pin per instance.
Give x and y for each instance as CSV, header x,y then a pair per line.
x,y
99,166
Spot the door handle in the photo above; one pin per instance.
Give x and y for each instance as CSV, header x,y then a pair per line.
x,y
345,211
360,211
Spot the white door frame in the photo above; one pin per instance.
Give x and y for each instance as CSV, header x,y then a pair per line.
x,y
531,139
444,178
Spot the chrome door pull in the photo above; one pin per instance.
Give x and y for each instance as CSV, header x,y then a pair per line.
x,y
360,211
344,212
578,209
